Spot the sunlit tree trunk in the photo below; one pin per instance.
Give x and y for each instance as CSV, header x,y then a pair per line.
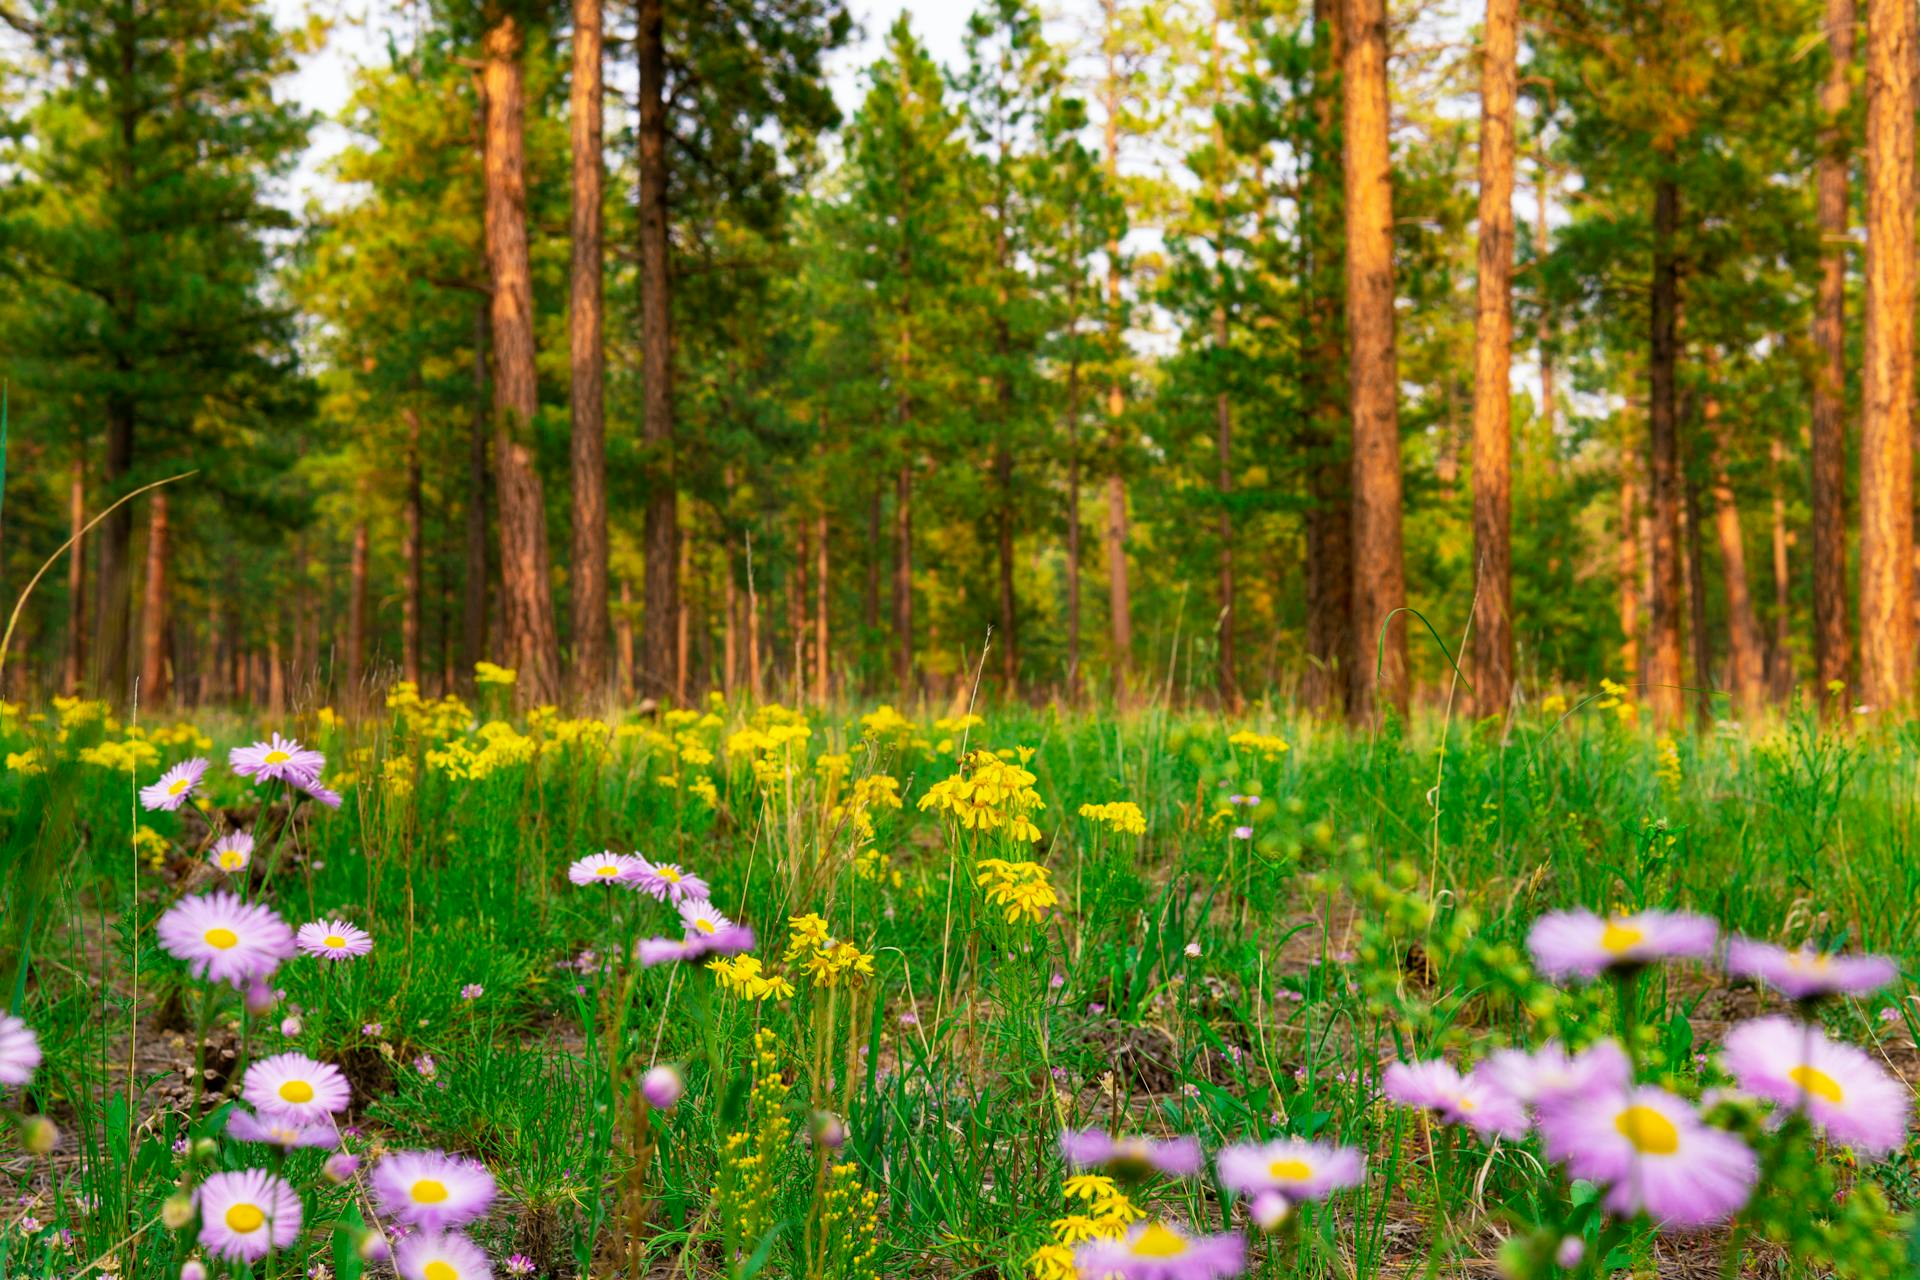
x,y
1075,680
1663,675
660,535
822,668
154,610
1627,567
473,612
413,552
1746,668
1694,584
623,640
1780,667
113,584
1119,592
588,360
357,615
76,672
1832,646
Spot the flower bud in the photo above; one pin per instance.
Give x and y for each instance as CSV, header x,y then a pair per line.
x,y
177,1211
259,999
340,1167
829,1131
289,1027
193,1269
1270,1210
662,1087
373,1247
39,1135
1571,1250
205,1149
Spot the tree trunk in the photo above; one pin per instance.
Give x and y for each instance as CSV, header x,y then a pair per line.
x,y
1225,677
1119,595
1746,668
1831,642
682,620
276,677
113,607
822,669
473,612
754,687
76,672
903,582
1780,666
1695,584
661,532
1492,371
524,564
730,605
1543,332
1886,430
1379,567
1663,677
623,640
1003,538
1329,522
413,551
588,358
357,617
1627,566
153,612
1075,682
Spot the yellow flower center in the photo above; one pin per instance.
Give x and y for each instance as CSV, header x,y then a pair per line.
x,y
1804,961
670,874
296,1091
224,939
1651,1133
429,1191
276,757
231,860
1818,1083
1618,938
705,926
608,870
1289,1171
439,1270
245,1217
333,941
1158,1242
179,785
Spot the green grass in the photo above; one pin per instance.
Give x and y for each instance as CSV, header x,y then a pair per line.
x,y
1187,981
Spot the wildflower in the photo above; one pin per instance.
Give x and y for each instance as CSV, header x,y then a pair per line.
x,y
372,1029
1578,942
1572,1249
280,760
431,1190
489,673
324,794
373,1247
19,1050
292,1086
602,868
519,1264
1842,1089
1052,1262
662,1087
1130,1159
1191,950
279,1131
174,786
426,1066
432,1255
193,1269
1537,1078
1160,1251
1121,816
1089,1186
224,939
39,1135
340,1167
1435,1086
1024,889
1806,974
1296,1169
260,998
333,940
708,933
1243,833
665,881
246,1213
1269,1210
472,991
231,852
1655,1152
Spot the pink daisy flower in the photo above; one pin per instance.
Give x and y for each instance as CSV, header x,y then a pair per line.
x,y
280,1132
433,1255
431,1190
708,934
1536,1078
174,786
224,939
602,868
293,1087
1434,1085
1654,1153
1130,1157
1844,1091
281,760
1292,1167
333,940
324,794
1580,943
666,881
1161,1251
1805,974
231,852
19,1051
247,1213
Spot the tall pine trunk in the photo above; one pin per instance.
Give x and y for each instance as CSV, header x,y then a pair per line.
x,y
1222,402
154,610
1746,663
76,672
1780,664
524,563
1886,427
1627,567
1663,676
1492,371
1119,592
903,581
822,667
588,360
1379,586
660,534
1831,638
413,553
473,604
113,587
1694,582
356,616
623,640
1075,681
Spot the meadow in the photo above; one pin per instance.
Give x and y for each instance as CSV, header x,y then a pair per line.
x,y
856,992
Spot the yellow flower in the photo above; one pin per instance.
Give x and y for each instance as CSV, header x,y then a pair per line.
x,y
1076,1228
489,673
884,722
1089,1186
27,761
1022,888
1553,704
1052,1262
1122,816
1267,745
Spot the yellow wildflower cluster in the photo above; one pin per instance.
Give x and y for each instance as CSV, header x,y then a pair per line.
x,y
884,722
827,961
988,794
500,746
1667,755
749,1158
129,755
1097,1210
772,728
1122,816
1615,698
77,713
873,792
1024,889
433,717
27,761
396,773
746,977
1554,704
877,866
850,1227
702,786
1267,745
152,844
178,734
957,724
489,673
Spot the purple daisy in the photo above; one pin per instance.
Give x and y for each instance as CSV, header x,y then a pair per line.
x,y
19,1050
1655,1154
1537,1078
280,1132
174,786
666,881
279,760
333,940
1291,1167
1844,1091
231,852
224,939
602,868
431,1190
1130,1157
1580,943
1806,974
1471,1100
433,1255
246,1213
1161,1251
293,1087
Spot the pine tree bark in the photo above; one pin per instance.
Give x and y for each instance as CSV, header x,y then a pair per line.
x,y
1780,661
1075,681
660,535
1746,663
1663,675
413,553
822,667
1832,645
1694,583
1379,565
623,640
1627,567
1493,370
112,608
1330,644
587,355
355,691
524,562
903,582
1119,592
76,672
154,609
1886,429
473,608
